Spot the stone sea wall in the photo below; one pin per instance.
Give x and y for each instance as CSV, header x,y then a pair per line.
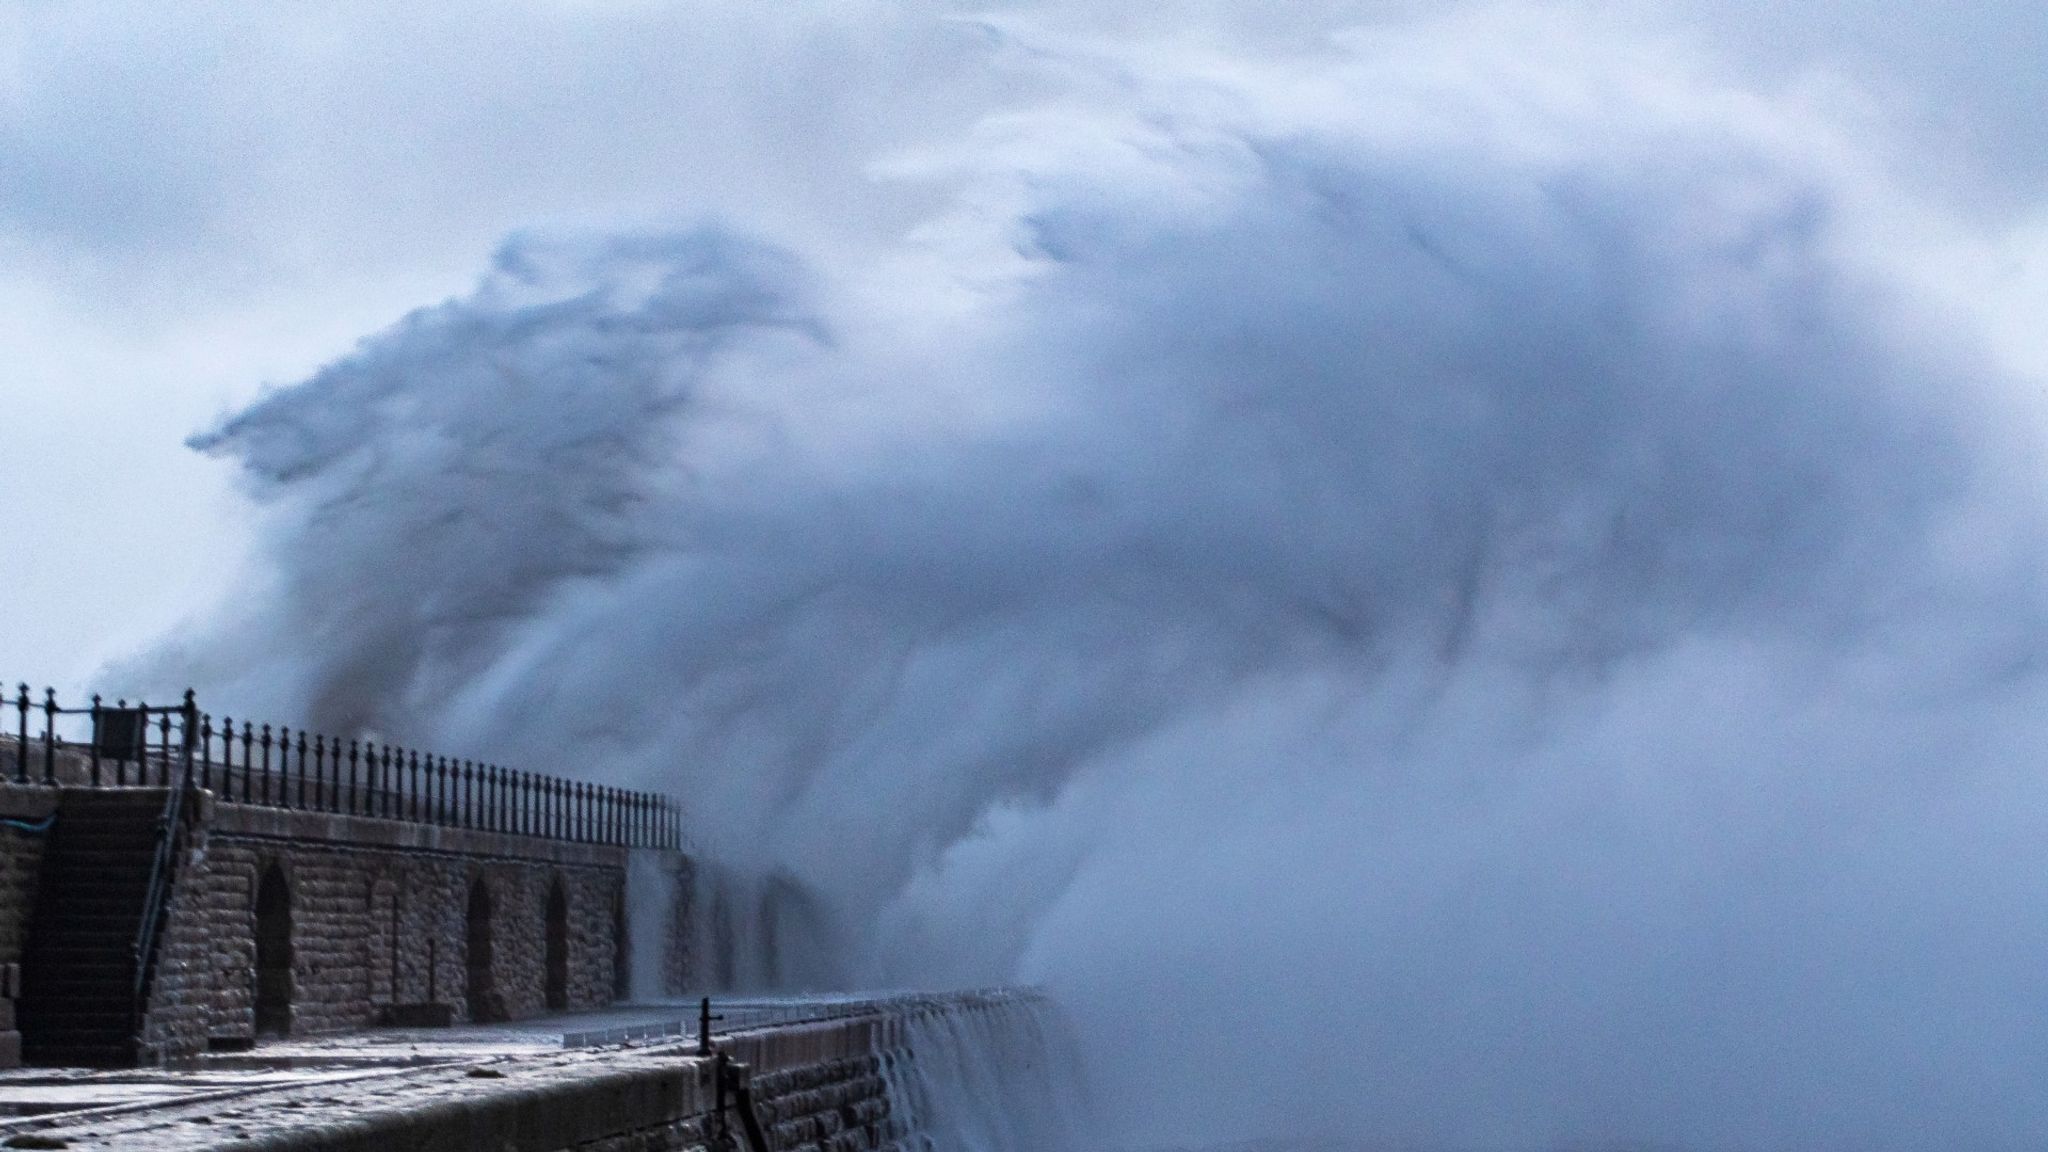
x,y
832,1085
381,917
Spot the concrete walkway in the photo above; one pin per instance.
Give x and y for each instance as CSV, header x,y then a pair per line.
x,y
325,1079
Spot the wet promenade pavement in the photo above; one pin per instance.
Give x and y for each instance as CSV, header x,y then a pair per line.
x,y
325,1079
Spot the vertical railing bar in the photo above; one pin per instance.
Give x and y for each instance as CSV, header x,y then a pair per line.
x,y
96,737
283,782
188,719
49,737
21,736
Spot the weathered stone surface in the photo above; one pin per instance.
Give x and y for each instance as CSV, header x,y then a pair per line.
x,y
373,927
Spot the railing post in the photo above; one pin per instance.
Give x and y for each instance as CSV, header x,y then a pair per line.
x,y
325,767
250,777
414,760
284,766
95,739
206,754
354,754
190,718
163,746
49,737
21,736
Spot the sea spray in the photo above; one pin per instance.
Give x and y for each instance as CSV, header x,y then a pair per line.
x,y
997,1073
1449,582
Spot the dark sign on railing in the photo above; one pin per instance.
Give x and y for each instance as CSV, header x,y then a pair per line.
x,y
280,768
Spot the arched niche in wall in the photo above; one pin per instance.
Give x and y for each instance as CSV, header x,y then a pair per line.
x,y
482,989
273,952
557,970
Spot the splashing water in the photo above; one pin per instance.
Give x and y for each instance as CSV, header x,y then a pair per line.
x,y
1459,585
1003,1076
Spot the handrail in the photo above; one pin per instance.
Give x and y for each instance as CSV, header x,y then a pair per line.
x,y
156,904
276,767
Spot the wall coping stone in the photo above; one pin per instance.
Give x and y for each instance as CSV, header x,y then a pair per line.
x,y
27,801
258,822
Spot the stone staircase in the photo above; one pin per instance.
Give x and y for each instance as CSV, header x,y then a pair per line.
x,y
79,974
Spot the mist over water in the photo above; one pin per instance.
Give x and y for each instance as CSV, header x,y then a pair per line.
x,y
1452,587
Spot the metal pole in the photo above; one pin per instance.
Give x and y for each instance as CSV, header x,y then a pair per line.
x,y
190,719
95,739
49,736
21,738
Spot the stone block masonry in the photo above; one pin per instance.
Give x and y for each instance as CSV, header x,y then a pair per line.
x,y
24,817
296,922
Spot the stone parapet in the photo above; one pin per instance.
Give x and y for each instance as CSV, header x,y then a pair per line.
x,y
260,822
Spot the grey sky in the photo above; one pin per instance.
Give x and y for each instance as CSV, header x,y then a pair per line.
x,y
195,202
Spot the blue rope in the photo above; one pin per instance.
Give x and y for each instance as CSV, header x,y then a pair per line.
x,y
38,826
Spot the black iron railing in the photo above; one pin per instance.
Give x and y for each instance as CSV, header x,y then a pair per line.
x,y
124,745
